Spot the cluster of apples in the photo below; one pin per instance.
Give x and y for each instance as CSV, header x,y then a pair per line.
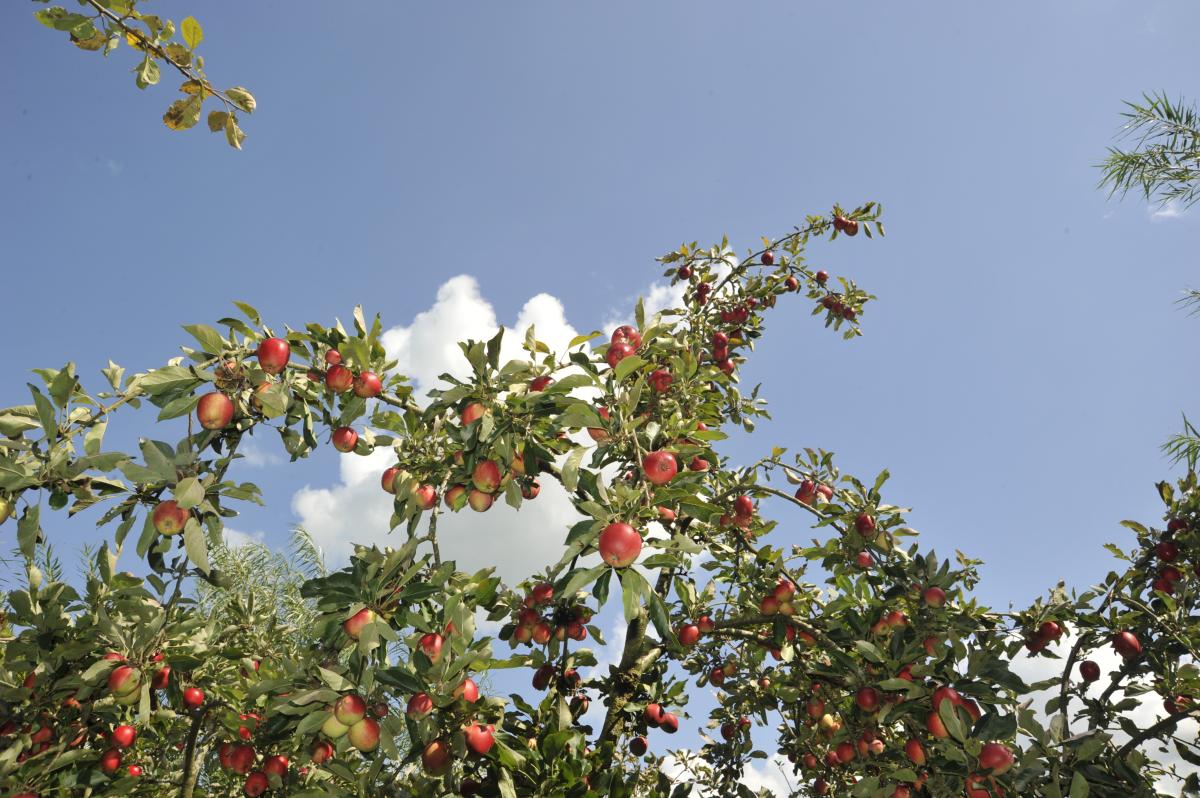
x,y
538,622
654,716
348,718
1168,551
242,759
215,410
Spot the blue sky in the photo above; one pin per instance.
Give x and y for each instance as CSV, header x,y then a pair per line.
x,y
1023,363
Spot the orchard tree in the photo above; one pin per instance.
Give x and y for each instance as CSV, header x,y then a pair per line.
x,y
864,660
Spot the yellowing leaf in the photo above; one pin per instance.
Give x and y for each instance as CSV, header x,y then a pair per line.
x,y
193,34
183,113
216,120
233,133
241,98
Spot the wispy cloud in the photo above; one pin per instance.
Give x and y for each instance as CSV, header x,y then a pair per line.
x,y
1167,211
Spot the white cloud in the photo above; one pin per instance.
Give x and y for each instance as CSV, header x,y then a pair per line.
x,y
767,774
256,456
234,538
1169,210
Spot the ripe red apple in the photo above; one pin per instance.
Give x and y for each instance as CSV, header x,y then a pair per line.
x,y
436,757
124,736
169,518
863,559
124,680
214,411
935,726
705,624
669,723
388,479
638,746
845,752
617,352
472,412
419,705
540,383
322,751
660,380
915,751
1167,551
193,697
689,635
431,645
769,605
456,497
806,492
486,476
531,491
620,544
1127,645
353,625
660,467
653,714
367,385
934,597
241,759
480,738
276,765
256,784
110,760
364,735
867,699
333,357
1089,670
134,770
627,334
995,757
350,709
467,690
339,379
480,502
344,439
273,355
425,496
865,524
1049,631
822,277
977,784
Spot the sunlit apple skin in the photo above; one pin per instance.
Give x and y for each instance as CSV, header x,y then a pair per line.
x,y
486,476
339,379
689,635
277,765
934,597
480,738
995,757
472,412
193,697
256,784
368,385
867,699
419,705
124,736
110,760
669,723
169,518
620,544
1089,670
321,752
364,735
467,690
214,411
638,746
344,439
241,759
387,480
617,352
353,625
431,646
936,727
660,467
480,502
332,728
456,498
350,709
627,334
124,680
1127,645
915,751
425,496
538,384
273,355
436,758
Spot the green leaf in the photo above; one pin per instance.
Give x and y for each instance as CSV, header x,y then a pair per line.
x,y
147,73
94,437
628,365
633,587
45,411
28,528
193,34
1079,785
196,545
209,339
188,493
179,406
167,378
570,469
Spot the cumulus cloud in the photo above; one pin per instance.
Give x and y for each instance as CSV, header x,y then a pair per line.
x,y
1166,212
234,538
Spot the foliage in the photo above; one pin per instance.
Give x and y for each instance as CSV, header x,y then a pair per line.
x,y
868,659
105,24
1165,161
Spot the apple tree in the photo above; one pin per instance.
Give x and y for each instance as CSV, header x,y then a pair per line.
x,y
860,658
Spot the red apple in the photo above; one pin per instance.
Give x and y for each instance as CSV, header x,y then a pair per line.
x,y
915,751
214,411
1167,551
273,355
276,765
256,784
169,518
350,709
480,738
705,624
123,736
388,480
660,380
193,697
806,492
669,723
367,385
1089,670
339,379
124,680
617,352
688,634
344,439
822,277
241,759
353,625
660,467
472,412
467,690
867,699
864,524
845,752
456,497
431,646
134,770
654,714
620,544
486,476
540,383
531,491
638,746
480,502
322,751
436,757
995,757
110,760
425,496
1127,645
934,597
935,726
863,559
364,735
627,334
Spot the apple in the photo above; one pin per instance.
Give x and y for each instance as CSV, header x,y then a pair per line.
x,y
169,518
339,379
619,544
214,411
542,593
425,496
353,625
241,759
1127,645
542,676
822,277
456,497
865,524
660,467
350,709
431,645
863,559
1089,670
542,632
660,380
124,735
915,751
273,355
617,352
193,697
743,506
769,605
599,434
530,492
688,634
791,284
480,738
995,757
867,699
486,476
467,690
638,746
936,727
344,439
669,723
367,385
472,412
276,765
806,492
387,480
705,624
653,714
364,735
821,787
977,785
627,334
436,757
845,752
124,680
110,760
541,383
419,705
256,784
322,751
134,770
480,502
332,728
934,597
1166,551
